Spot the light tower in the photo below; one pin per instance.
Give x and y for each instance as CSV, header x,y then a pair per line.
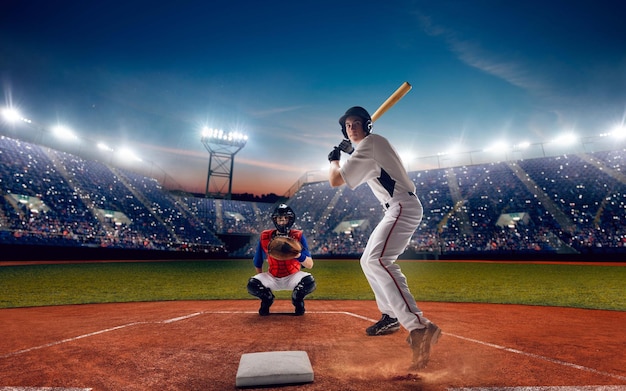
x,y
222,147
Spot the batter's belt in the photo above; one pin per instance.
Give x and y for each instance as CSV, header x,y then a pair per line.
x,y
386,204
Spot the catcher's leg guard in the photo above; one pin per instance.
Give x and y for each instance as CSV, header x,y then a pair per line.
x,y
256,288
305,286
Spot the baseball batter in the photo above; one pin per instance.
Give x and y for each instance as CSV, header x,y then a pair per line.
x,y
282,274
374,161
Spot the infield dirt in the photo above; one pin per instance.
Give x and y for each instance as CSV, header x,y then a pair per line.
x,y
197,345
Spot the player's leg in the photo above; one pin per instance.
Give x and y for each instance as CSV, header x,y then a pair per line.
x,y
388,322
397,228
258,289
388,240
306,286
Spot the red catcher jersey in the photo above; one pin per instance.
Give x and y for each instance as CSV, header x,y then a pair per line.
x,y
280,268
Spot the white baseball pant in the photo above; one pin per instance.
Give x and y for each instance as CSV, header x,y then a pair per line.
x,y
386,243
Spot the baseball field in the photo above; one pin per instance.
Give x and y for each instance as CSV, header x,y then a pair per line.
x,y
185,325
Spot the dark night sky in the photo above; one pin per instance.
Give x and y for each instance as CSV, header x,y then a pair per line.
x,y
148,76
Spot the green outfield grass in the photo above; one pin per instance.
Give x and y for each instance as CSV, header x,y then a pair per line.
x,y
582,286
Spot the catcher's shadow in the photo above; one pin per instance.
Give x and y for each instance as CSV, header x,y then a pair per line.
x,y
282,314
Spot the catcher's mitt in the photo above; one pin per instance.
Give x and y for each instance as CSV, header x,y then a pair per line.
x,y
284,248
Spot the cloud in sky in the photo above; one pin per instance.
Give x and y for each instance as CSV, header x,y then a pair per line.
x,y
501,65
276,110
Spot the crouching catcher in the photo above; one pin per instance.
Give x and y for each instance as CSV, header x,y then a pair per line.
x,y
284,265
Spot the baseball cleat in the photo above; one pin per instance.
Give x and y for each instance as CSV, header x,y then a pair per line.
x,y
266,303
386,325
421,340
299,304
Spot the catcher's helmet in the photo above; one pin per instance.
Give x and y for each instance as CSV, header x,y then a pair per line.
x,y
358,112
283,210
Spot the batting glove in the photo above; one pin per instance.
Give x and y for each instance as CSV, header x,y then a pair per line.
x,y
346,146
335,154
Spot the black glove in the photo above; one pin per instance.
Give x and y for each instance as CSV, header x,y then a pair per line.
x,y
346,146
335,154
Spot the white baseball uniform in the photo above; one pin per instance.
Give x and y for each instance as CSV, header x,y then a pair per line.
x,y
376,162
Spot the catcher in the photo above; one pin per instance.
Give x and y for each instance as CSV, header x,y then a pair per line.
x,y
287,251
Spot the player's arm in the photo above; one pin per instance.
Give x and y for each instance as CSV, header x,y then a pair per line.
x,y
258,258
308,263
305,254
334,174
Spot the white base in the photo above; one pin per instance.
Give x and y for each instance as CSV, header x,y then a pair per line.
x,y
270,368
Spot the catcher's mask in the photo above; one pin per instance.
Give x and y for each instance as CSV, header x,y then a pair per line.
x,y
283,210
358,112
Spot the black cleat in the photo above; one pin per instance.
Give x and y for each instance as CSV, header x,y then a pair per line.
x,y
266,303
386,325
299,304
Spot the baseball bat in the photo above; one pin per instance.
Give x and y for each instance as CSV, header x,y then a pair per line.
x,y
392,100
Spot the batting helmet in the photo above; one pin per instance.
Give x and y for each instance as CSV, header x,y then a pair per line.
x,y
358,112
283,210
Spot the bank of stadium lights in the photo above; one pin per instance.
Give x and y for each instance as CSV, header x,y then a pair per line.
x,y
497,147
123,153
64,133
407,157
521,145
500,146
127,154
566,139
104,147
219,136
619,133
222,147
12,115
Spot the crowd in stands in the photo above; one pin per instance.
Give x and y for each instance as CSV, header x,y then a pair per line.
x,y
571,203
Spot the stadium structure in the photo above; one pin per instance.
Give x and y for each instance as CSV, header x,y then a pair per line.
x,y
55,204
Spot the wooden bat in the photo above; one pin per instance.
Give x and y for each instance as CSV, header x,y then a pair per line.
x,y
392,100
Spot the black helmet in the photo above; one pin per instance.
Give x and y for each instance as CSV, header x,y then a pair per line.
x,y
357,111
283,210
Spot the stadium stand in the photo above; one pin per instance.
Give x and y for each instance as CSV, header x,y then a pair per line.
x,y
56,199
566,204
39,205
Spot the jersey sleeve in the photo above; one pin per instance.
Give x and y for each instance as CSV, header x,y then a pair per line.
x,y
361,166
305,246
258,256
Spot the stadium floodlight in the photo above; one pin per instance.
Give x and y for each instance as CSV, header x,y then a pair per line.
x,y
104,147
566,139
127,154
497,146
64,133
222,147
619,132
219,136
522,145
407,157
11,115
439,157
